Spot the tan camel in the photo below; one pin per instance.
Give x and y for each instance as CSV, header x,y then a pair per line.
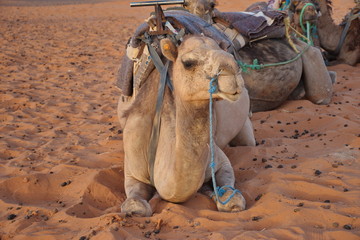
x,y
182,159
270,87
330,33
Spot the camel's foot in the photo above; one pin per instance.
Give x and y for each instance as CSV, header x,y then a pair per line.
x,y
138,207
236,204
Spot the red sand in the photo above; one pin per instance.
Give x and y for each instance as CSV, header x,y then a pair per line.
x,y
61,155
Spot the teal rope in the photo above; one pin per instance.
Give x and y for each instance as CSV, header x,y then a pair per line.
x,y
256,66
218,191
302,15
308,33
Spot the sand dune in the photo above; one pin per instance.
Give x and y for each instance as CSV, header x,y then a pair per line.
x,y
61,154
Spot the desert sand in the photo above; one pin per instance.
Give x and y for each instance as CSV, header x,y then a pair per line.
x,y
61,152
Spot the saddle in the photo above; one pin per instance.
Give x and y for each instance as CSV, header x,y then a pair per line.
x,y
228,29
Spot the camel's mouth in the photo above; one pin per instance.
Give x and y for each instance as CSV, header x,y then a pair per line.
x,y
229,97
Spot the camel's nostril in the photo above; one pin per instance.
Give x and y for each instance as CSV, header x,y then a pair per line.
x,y
228,69
226,72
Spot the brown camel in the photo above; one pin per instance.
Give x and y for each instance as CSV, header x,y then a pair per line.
x,y
182,159
270,87
330,34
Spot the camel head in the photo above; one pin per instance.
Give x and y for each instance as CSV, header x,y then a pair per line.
x,y
311,13
195,62
201,8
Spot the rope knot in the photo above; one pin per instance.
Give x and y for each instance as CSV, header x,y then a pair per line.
x,y
221,191
256,65
213,84
218,191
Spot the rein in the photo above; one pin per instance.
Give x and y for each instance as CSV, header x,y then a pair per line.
x,y
309,27
218,191
155,131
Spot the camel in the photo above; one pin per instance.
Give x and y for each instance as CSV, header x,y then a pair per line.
x,y
182,160
270,87
330,34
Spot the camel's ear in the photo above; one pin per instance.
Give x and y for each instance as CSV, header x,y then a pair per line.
x,y
215,3
168,49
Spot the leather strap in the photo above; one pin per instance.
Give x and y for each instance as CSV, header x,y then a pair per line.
x,y
344,33
155,132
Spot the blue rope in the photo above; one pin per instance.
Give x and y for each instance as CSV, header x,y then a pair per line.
x,y
218,191
284,5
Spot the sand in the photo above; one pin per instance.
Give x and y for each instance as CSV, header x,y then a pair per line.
x,y
61,152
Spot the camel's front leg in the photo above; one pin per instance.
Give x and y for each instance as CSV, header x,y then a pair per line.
x,y
137,186
138,196
225,178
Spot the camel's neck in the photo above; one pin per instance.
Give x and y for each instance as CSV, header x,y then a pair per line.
x,y
326,27
192,129
180,170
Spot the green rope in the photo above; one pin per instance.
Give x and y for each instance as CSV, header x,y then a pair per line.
x,y
308,33
309,27
256,66
302,15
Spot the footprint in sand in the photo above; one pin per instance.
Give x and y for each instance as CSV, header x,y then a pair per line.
x,y
104,194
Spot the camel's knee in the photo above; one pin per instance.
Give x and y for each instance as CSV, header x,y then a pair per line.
x,y
317,80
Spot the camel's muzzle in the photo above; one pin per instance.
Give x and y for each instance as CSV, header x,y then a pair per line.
x,y
229,86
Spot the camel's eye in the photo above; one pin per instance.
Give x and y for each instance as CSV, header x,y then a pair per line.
x,y
188,64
